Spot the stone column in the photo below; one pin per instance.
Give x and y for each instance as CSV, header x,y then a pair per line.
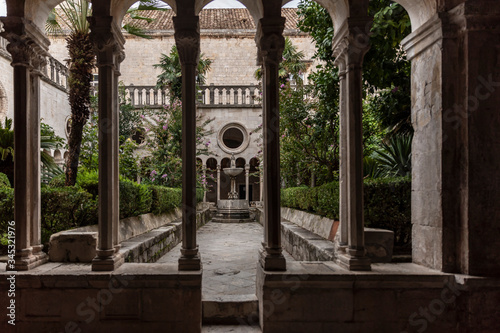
x,y
119,56
205,185
108,43
343,189
39,63
28,48
353,41
187,39
261,182
271,43
247,182
218,183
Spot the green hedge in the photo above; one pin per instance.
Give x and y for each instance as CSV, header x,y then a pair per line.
x,y
66,208
387,204
165,199
135,199
4,180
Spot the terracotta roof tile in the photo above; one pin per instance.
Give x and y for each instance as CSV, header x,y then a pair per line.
x,y
213,19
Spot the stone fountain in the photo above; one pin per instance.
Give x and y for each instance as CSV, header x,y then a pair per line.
x,y
233,210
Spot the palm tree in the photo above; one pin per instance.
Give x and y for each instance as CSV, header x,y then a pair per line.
x,y
48,141
72,14
292,65
171,73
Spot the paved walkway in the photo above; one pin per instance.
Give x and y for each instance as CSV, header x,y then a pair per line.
x,y
229,256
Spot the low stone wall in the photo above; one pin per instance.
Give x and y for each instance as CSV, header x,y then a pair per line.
x,y
323,297
144,238
309,237
134,298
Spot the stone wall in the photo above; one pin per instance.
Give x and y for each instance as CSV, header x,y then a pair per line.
x,y
234,56
323,297
54,108
134,298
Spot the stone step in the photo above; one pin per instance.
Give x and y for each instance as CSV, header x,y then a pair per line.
x,y
231,310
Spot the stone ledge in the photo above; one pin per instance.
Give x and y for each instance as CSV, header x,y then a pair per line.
x,y
306,237
143,238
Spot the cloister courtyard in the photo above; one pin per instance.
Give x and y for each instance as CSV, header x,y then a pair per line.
x,y
259,169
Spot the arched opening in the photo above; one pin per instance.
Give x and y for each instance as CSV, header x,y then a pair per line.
x,y
3,102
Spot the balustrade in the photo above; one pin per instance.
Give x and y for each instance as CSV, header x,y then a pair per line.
x,y
208,96
54,71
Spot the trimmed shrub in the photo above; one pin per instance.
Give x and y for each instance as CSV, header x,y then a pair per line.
x,y
135,199
328,200
66,208
89,181
4,181
165,199
58,181
6,211
387,204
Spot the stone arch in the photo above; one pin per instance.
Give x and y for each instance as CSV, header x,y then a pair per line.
x,y
240,162
4,106
211,164
57,154
119,8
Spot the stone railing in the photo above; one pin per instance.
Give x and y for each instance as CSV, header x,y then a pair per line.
x,y
208,96
54,72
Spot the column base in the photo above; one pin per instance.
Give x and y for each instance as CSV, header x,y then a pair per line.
x,y
354,263
190,260
28,259
107,264
272,262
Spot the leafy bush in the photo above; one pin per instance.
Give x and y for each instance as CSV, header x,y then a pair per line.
x,y
89,181
387,204
4,180
135,199
6,211
66,208
58,181
165,199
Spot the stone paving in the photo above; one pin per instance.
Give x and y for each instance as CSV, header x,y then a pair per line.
x,y
229,254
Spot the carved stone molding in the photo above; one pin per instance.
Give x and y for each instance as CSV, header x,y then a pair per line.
x,y
107,39
352,41
187,39
270,40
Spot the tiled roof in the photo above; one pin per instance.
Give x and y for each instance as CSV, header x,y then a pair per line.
x,y
213,19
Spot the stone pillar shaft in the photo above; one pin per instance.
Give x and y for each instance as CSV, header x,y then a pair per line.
x,y
28,50
350,47
343,212
22,161
108,43
187,38
218,183
271,44
247,182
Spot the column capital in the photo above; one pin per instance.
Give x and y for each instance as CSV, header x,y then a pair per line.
x,y
27,44
270,40
107,39
352,41
187,39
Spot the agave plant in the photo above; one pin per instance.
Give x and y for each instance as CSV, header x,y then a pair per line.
x,y
394,159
